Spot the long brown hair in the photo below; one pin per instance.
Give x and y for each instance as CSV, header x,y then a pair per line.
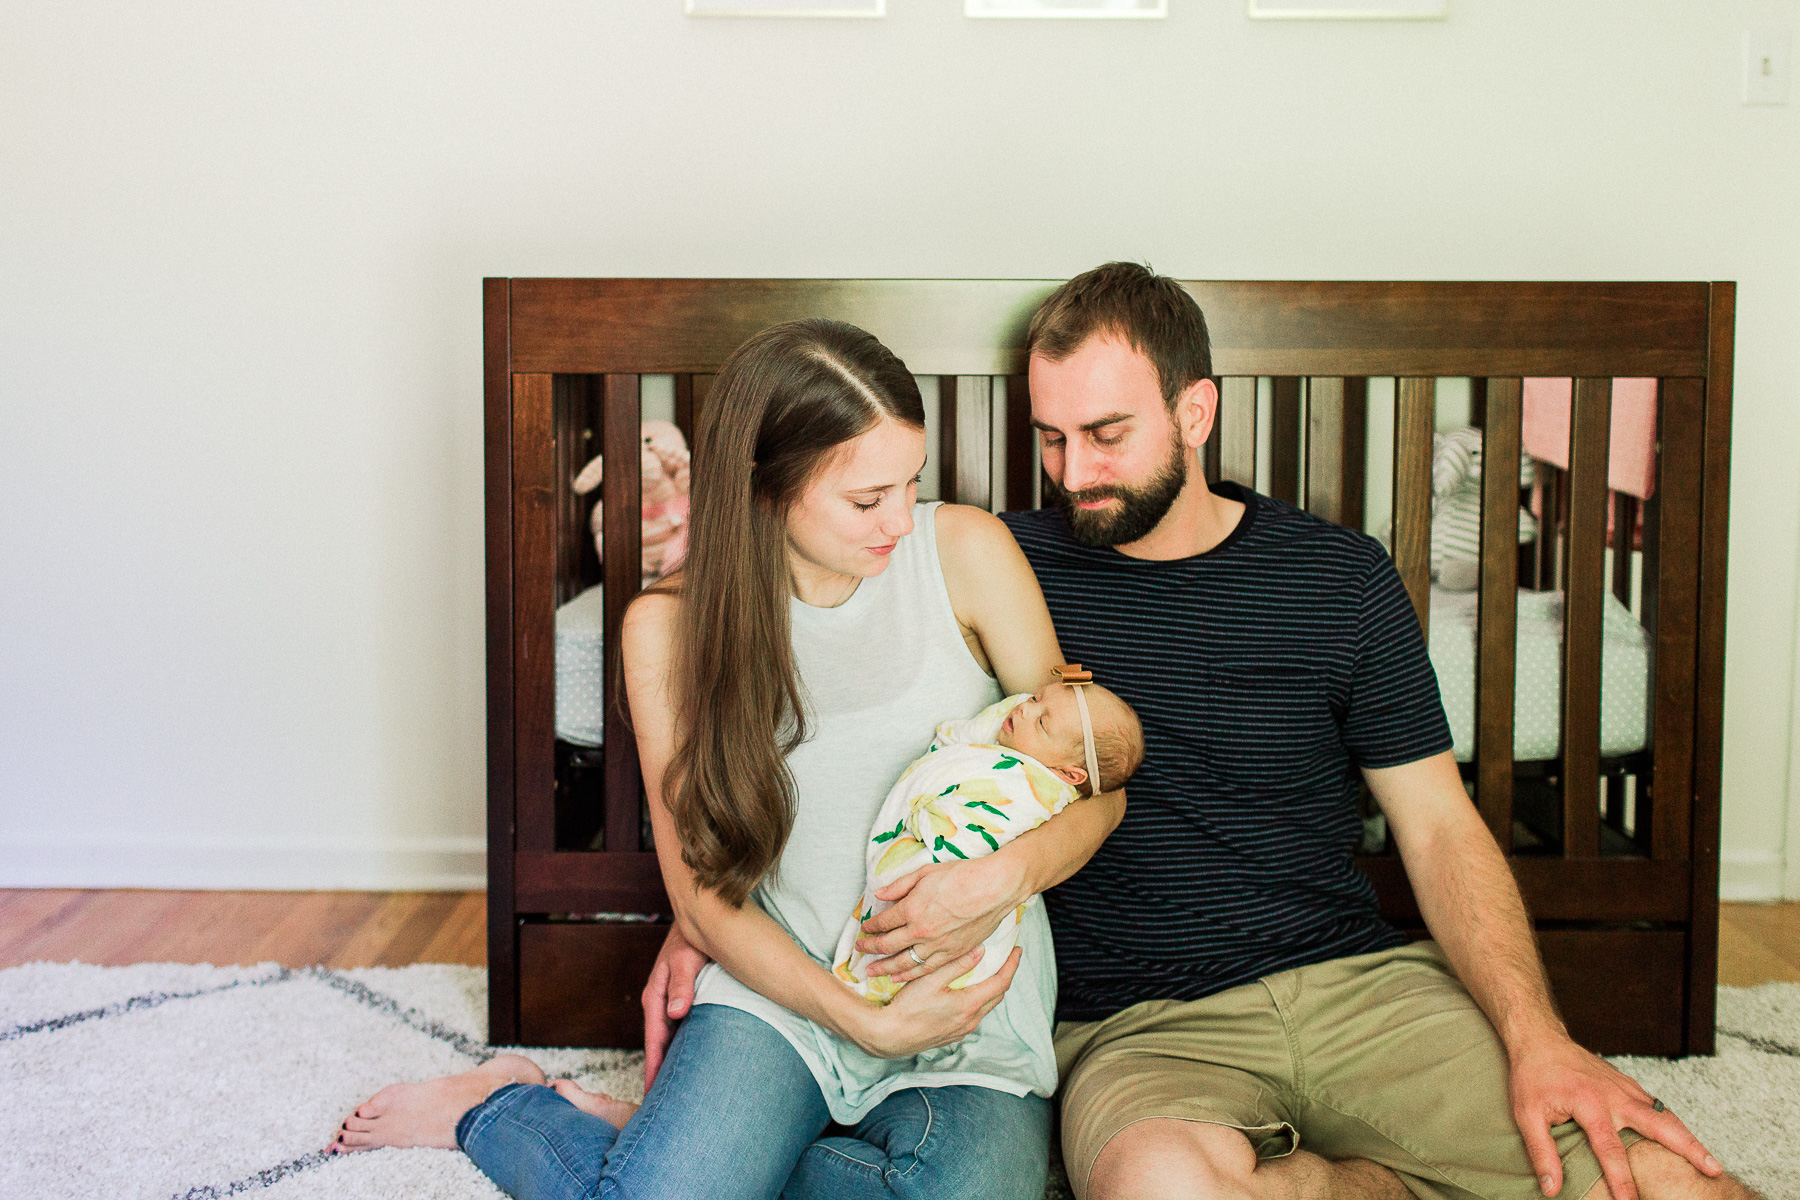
x,y
780,405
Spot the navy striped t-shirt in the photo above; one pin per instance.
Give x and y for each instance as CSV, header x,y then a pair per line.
x,y
1265,671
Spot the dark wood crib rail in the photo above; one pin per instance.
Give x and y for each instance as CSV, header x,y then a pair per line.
x,y
1627,917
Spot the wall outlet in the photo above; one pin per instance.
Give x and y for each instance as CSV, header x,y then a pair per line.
x,y
1766,66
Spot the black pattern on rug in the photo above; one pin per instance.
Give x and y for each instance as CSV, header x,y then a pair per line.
x,y
1766,1045
354,989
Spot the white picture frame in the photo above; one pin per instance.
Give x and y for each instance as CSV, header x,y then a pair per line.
x,y
1101,10
1348,10
856,9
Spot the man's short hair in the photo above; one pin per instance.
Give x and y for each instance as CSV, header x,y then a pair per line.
x,y
1154,314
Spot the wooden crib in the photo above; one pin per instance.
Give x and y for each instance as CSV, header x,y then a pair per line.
x,y
1624,895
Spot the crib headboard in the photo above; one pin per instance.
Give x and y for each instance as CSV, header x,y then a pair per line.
x,y
564,363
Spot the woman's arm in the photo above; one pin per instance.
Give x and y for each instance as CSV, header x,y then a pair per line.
x,y
746,941
944,909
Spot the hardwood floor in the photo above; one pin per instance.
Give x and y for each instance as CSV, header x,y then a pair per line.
x,y
295,929
1757,942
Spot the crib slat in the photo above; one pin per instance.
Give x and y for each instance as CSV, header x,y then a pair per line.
x,y
1497,619
1325,447
1234,430
1021,439
621,491
1584,578
1550,510
1625,518
1674,620
1356,449
964,431
690,395
534,612
572,422
1284,439
1415,415
1336,412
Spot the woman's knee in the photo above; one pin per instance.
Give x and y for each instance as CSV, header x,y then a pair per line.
x,y
730,1113
974,1142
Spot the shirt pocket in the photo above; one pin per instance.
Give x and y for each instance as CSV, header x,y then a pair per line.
x,y
1273,730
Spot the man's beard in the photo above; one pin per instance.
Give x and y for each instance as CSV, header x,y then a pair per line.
x,y
1139,511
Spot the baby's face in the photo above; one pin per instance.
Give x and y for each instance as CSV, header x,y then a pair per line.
x,y
1048,727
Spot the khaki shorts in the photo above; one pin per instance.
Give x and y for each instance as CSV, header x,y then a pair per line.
x,y
1382,1057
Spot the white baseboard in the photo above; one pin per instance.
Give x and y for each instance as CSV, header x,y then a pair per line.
x,y
1753,875
372,863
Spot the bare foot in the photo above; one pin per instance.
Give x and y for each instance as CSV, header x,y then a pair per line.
x,y
425,1114
596,1104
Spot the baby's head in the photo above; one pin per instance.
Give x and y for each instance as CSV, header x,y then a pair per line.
x,y
1048,727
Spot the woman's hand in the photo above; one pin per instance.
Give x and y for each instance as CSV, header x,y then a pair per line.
x,y
941,912
667,997
928,1013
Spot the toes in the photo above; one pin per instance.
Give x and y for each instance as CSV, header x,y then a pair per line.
x,y
375,1105
351,1139
359,1124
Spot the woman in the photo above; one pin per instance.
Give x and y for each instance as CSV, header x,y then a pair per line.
x,y
824,622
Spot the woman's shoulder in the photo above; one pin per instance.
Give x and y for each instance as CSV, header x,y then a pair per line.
x,y
648,627
964,529
979,556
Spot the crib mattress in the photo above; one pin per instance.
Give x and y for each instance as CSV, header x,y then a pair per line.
x,y
581,668
1537,702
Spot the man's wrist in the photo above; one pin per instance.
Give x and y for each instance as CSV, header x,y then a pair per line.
x,y
1524,1033
1009,871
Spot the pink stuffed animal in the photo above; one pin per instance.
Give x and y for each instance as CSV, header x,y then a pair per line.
x,y
665,499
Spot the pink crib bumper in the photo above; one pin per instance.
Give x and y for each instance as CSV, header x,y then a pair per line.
x,y
1631,465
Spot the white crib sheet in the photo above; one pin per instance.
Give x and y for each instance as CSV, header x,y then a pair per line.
x,y
581,668
1537,699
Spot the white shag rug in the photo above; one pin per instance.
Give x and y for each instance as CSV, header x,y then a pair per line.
x,y
174,1082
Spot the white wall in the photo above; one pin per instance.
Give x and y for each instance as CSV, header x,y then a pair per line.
x,y
240,254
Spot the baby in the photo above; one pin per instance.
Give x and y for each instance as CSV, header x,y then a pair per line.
x,y
983,782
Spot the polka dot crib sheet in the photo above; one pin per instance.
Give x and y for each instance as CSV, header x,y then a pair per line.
x,y
581,668
1537,702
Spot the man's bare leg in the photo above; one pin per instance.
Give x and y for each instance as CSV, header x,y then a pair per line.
x,y
1662,1174
425,1114
1168,1159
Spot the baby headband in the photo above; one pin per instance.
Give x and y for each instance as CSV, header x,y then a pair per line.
x,y
1076,679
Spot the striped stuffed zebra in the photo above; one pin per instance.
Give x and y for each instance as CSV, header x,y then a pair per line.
x,y
1456,508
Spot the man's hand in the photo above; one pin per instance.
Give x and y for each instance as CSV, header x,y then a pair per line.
x,y
667,998
943,911
1556,1080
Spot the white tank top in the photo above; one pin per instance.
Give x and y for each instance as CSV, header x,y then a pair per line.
x,y
879,672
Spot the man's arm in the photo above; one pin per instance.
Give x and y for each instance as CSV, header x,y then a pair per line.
x,y
1472,906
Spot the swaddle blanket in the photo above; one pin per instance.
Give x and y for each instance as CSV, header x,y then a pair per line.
x,y
964,797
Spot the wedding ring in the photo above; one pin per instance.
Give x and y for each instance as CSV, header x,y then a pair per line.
x,y
915,955
1659,1106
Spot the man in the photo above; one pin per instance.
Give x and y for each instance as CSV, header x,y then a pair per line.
x,y
1236,1018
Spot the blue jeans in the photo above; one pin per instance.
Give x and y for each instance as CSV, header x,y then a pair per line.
x,y
735,1114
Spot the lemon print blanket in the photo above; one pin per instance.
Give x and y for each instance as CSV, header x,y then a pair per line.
x,y
964,797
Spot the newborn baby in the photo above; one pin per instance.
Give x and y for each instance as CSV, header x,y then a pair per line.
x,y
984,781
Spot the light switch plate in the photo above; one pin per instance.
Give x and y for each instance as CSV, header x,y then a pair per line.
x,y
1766,66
